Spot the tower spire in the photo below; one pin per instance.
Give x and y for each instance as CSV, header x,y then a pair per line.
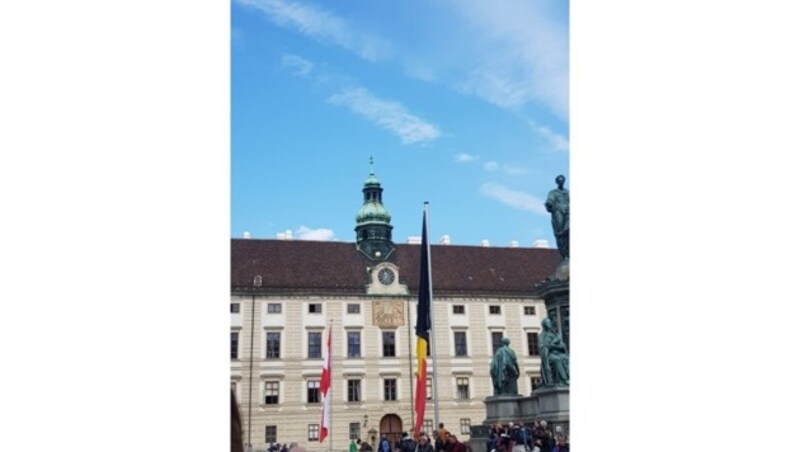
x,y
373,228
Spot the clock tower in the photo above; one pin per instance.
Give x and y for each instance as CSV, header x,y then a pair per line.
x,y
373,231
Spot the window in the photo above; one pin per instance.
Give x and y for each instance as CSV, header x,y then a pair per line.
x,y
313,432
274,308
497,337
530,310
312,389
458,309
388,343
355,430
429,388
465,426
234,308
353,308
494,309
271,434
427,426
462,385
271,393
234,345
353,390
353,344
390,389
461,343
533,344
273,345
315,345
315,308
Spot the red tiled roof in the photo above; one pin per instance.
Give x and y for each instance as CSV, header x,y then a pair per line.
x,y
338,267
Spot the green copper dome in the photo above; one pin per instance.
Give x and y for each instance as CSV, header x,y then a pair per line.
x,y
373,221
373,211
372,180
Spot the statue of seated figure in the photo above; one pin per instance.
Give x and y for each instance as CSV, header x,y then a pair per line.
x,y
555,359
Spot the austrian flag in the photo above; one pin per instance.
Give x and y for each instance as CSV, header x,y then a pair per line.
x,y
325,389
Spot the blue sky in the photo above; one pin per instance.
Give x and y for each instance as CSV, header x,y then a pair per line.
x,y
461,103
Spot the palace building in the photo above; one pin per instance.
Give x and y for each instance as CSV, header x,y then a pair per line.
x,y
286,294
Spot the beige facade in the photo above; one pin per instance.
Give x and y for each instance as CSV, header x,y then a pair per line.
x,y
296,320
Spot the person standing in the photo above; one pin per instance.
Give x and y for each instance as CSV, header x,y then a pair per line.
x,y
384,445
455,444
365,446
406,444
353,447
563,444
424,444
441,437
544,437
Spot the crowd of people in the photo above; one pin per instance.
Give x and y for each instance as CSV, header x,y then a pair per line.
x,y
522,438
538,437
502,438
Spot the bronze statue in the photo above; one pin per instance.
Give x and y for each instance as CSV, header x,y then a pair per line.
x,y
558,205
504,370
555,360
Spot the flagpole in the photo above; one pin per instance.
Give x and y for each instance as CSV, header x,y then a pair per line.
x,y
330,391
410,358
432,331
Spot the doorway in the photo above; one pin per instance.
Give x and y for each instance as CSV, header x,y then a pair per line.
x,y
392,427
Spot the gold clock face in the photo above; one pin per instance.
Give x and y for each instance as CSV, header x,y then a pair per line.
x,y
386,276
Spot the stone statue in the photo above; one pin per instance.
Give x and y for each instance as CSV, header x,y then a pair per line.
x,y
504,370
558,205
555,360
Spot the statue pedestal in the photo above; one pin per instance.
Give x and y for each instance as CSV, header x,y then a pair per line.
x,y
552,405
503,409
500,409
555,292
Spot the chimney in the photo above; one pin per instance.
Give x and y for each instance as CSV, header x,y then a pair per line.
x,y
541,243
414,240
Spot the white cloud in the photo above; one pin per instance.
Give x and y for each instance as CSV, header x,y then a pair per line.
x,y
323,26
388,114
464,157
516,199
305,233
555,140
298,65
521,55
491,166
514,170
418,72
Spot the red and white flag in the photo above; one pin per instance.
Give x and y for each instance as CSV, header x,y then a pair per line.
x,y
325,389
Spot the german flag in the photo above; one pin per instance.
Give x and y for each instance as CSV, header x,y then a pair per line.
x,y
423,326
